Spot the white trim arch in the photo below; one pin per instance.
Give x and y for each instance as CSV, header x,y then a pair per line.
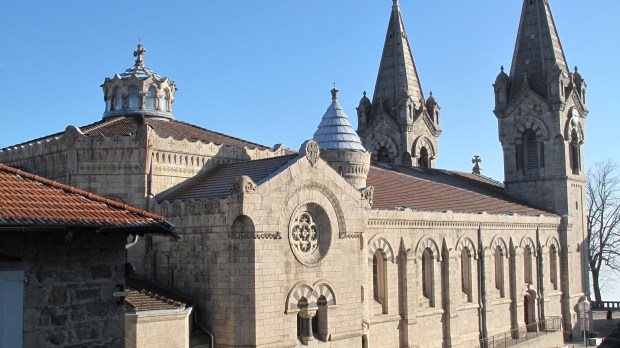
x,y
321,288
525,241
467,242
377,243
423,141
298,291
536,125
552,240
499,242
427,242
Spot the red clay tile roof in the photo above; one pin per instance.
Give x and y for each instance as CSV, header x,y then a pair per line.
x,y
218,182
143,295
126,125
440,190
30,200
143,300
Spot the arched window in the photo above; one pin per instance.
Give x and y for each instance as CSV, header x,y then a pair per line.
x,y
319,322
424,161
499,270
553,266
575,160
527,264
428,276
304,321
134,99
164,102
118,98
466,274
151,98
379,279
383,156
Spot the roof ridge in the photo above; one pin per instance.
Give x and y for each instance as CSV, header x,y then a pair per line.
x,y
77,191
223,134
105,122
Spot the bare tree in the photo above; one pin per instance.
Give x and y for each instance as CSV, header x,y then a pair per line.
x,y
603,199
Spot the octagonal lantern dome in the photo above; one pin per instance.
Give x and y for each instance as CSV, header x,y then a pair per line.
x,y
138,91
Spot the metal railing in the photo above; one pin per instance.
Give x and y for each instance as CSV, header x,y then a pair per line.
x,y
606,305
522,334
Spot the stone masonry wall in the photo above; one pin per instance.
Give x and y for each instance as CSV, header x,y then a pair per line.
x,y
68,287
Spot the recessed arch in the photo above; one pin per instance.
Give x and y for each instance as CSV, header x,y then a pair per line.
x,y
552,240
322,289
534,124
527,241
499,242
423,244
380,243
299,291
383,143
466,242
423,142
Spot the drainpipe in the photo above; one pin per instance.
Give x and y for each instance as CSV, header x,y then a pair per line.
x,y
133,242
482,317
209,333
541,277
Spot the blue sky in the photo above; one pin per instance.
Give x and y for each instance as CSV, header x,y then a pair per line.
x,y
262,70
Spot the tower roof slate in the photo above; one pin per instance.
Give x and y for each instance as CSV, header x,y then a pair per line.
x,y
335,132
397,72
538,50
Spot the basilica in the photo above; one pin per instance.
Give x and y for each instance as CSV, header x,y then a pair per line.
x,y
356,239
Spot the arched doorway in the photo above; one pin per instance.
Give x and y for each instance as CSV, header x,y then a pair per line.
x,y
529,311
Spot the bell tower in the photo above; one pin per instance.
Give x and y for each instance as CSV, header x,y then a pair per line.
x,y
541,111
399,125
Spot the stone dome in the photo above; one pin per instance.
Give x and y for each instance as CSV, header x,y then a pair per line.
x,y
139,91
335,132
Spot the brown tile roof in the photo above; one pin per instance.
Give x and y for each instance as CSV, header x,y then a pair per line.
x,y
143,295
126,125
440,190
147,301
218,182
32,201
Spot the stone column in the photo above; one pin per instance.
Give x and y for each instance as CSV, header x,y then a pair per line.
x,y
451,285
409,297
306,323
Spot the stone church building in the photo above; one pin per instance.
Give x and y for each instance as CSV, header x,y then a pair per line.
x,y
356,240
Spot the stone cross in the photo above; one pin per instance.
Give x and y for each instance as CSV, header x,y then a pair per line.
x,y
477,160
138,54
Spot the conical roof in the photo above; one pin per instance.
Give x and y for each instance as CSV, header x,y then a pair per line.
x,y
335,132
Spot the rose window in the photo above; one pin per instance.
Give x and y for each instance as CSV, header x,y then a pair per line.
x,y
305,233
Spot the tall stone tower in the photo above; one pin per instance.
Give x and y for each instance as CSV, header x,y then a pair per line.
x,y
399,126
541,111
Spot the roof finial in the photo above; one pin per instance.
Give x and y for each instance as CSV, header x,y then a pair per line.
x,y
576,69
334,92
364,93
138,54
395,2
501,68
476,161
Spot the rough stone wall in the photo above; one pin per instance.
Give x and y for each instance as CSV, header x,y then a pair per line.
x,y
157,329
69,285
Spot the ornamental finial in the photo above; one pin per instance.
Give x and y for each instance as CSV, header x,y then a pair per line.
x,y
334,93
139,53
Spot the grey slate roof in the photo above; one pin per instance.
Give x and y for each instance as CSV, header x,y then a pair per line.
x,y
335,132
141,72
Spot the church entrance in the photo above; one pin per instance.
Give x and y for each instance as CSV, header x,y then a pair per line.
x,y
530,311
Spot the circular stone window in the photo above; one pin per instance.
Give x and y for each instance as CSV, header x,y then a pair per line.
x,y
310,233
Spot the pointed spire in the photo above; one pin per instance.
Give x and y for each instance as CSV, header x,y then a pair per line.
x,y
397,73
335,132
538,49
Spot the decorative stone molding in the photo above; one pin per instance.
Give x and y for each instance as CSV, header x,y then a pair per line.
x,y
427,242
383,141
243,184
310,149
499,241
534,124
552,240
381,243
311,294
423,141
368,193
466,242
527,241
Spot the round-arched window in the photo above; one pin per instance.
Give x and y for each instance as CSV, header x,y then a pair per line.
x,y
118,98
151,98
134,100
